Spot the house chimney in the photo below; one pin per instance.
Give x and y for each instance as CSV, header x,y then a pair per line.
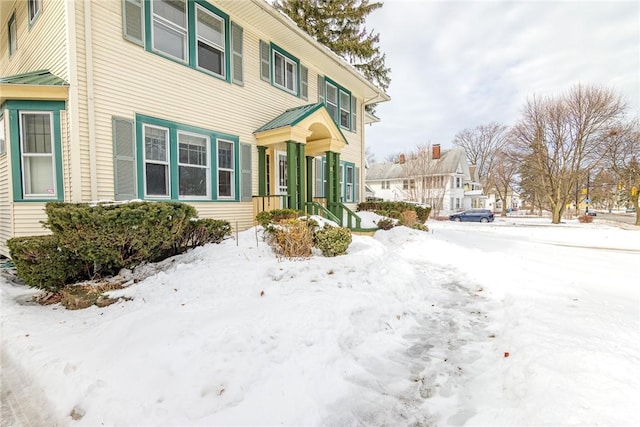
x,y
401,160
435,154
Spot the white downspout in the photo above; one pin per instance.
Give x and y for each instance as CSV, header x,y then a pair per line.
x,y
91,120
73,110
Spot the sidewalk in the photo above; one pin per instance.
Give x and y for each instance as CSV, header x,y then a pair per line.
x,y
21,404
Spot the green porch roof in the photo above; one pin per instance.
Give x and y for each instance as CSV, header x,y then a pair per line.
x,y
290,117
42,77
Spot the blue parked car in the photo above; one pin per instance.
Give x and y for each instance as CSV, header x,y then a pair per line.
x,y
476,215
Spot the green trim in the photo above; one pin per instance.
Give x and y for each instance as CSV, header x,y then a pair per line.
x,y
15,107
292,176
174,189
191,54
302,176
308,169
275,47
344,181
262,171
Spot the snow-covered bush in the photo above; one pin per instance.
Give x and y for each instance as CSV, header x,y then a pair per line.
x,y
333,241
41,262
202,231
115,236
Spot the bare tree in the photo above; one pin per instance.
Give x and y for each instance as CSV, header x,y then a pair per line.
x,y
505,170
562,137
623,157
481,144
392,158
369,155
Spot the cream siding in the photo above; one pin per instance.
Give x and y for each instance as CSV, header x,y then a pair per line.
x,y
40,47
128,80
27,219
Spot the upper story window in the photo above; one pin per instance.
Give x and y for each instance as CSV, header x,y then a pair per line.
x,y
211,41
283,70
13,36
340,103
191,32
35,7
170,28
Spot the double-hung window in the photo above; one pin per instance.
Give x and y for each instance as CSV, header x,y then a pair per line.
x,y
13,40
285,73
211,41
38,160
182,162
193,166
349,183
156,161
332,101
283,70
345,110
226,173
34,129
339,102
35,7
170,28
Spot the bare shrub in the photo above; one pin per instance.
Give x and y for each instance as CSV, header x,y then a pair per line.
x,y
409,218
291,238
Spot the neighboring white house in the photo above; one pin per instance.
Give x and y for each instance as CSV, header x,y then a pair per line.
x,y
445,181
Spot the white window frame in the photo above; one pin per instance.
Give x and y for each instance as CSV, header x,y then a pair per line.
x,y
336,111
350,196
345,109
24,155
13,35
171,26
207,144
166,163
285,61
232,170
3,145
34,10
211,43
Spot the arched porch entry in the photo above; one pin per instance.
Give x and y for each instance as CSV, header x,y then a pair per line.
x,y
287,147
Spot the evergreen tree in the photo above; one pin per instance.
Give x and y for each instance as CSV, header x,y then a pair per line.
x,y
340,26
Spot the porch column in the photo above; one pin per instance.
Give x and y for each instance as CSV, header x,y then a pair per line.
x,y
310,175
262,171
302,176
332,190
292,176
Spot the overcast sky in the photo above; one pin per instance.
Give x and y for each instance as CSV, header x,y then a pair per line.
x,y
458,64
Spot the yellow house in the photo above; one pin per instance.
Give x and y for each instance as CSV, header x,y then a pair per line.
x,y
223,104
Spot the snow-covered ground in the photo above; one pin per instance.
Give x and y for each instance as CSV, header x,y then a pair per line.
x,y
517,322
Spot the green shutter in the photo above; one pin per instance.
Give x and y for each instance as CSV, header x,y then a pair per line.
x,y
132,26
245,172
265,67
236,54
354,113
356,185
304,82
124,159
321,89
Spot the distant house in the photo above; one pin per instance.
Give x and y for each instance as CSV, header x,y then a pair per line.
x,y
223,104
443,180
